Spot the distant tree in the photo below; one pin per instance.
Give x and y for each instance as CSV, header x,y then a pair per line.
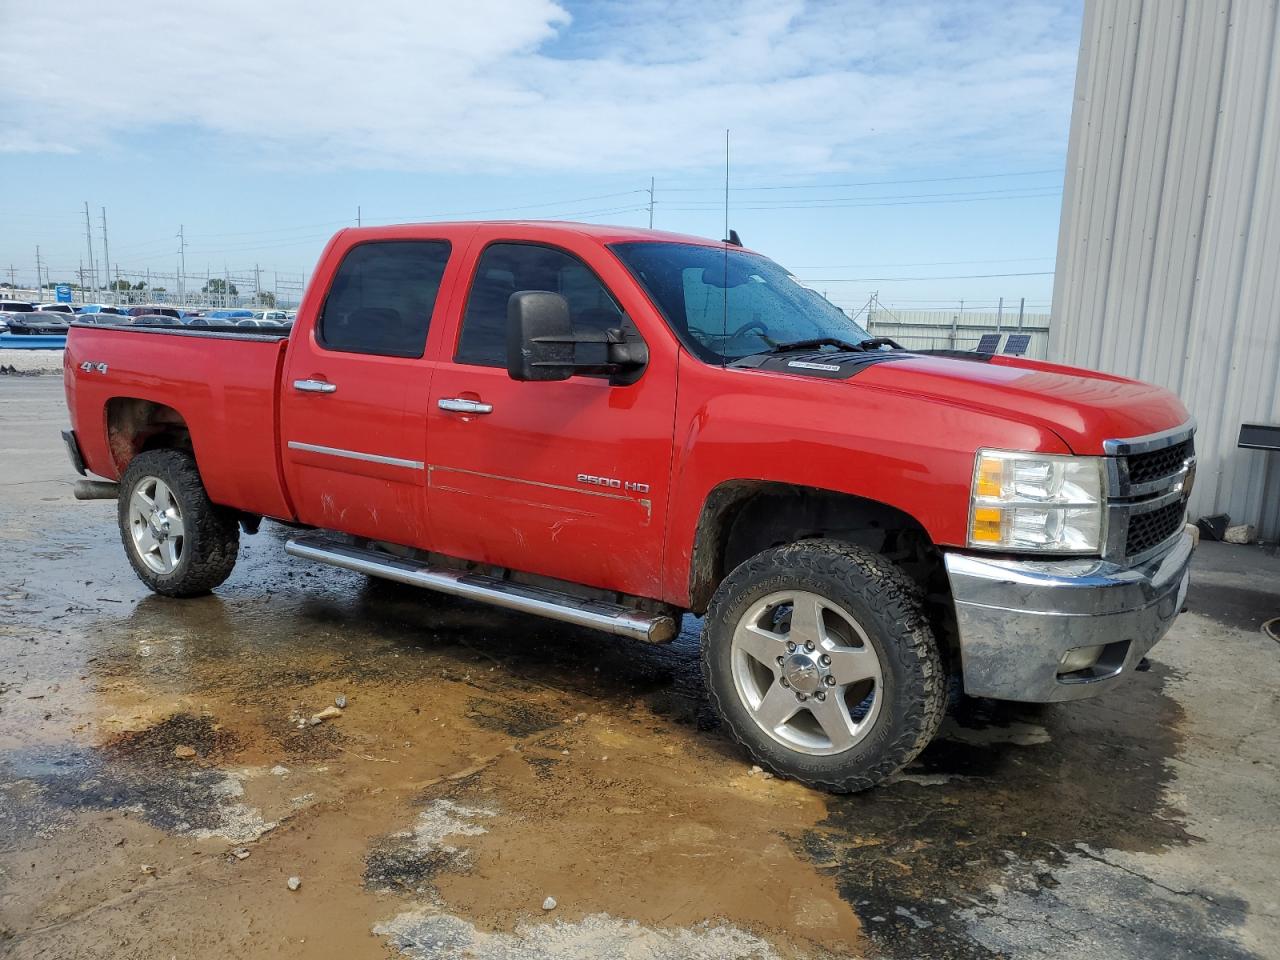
x,y
218,287
266,298
140,285
120,285
157,290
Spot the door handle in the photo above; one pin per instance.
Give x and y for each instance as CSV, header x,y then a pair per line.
x,y
458,405
315,386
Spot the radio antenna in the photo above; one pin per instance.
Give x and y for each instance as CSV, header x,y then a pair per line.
x,y
726,186
724,327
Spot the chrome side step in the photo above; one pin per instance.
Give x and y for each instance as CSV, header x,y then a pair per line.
x,y
598,614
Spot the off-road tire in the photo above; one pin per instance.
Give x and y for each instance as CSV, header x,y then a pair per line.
x,y
889,606
212,537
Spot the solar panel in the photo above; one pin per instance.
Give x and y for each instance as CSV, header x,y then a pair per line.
x,y
989,343
1017,344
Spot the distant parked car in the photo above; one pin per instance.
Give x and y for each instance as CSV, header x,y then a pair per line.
x,y
279,316
151,310
92,308
223,315
16,306
103,318
153,320
55,308
35,322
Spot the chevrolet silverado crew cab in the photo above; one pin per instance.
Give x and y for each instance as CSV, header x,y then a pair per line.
x,y
614,427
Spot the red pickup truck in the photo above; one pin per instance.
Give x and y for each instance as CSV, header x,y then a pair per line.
x,y
613,427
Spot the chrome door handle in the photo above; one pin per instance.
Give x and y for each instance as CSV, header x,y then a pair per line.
x,y
458,405
315,386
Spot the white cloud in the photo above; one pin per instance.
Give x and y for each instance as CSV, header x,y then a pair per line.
x,y
510,85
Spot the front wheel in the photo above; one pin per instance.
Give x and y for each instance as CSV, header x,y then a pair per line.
x,y
820,660
179,542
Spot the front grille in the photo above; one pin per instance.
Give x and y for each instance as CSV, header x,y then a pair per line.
x,y
1146,467
1150,529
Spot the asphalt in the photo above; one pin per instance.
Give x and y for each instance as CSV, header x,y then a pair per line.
x,y
161,781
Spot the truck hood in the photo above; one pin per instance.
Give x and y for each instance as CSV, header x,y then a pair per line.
x,y
1082,407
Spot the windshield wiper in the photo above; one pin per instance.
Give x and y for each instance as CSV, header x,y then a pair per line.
x,y
873,343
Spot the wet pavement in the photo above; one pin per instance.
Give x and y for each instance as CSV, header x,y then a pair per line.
x,y
161,779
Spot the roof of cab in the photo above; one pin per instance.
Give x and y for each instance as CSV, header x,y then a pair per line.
x,y
604,233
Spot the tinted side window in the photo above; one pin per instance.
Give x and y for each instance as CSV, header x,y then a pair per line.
x,y
507,268
382,297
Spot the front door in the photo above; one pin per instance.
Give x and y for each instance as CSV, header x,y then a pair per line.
x,y
354,397
563,479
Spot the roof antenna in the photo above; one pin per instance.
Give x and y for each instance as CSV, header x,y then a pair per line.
x,y
728,236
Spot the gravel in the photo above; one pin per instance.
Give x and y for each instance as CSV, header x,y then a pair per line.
x,y
33,361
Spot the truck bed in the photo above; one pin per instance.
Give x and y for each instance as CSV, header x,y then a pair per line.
x,y
222,384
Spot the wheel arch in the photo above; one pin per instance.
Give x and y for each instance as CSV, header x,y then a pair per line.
x,y
134,424
740,518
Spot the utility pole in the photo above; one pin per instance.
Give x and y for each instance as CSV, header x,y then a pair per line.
x,y
257,286
1022,306
182,265
651,203
39,285
88,239
359,222
106,257
1000,316
13,277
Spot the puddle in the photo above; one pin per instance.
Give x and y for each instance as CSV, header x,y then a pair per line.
x,y
1001,798
201,802
513,718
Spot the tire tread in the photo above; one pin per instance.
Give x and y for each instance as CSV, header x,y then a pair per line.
x,y
895,599
213,533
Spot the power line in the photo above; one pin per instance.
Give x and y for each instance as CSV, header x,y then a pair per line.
x,y
935,263
869,183
805,201
963,276
529,206
830,205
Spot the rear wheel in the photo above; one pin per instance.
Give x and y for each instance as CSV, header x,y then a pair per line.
x,y
179,543
821,662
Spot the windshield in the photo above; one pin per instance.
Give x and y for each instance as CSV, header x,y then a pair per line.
x,y
723,315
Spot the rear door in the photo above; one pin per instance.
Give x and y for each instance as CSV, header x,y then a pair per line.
x,y
354,396
565,479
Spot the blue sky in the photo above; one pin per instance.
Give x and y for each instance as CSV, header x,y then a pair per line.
x,y
874,145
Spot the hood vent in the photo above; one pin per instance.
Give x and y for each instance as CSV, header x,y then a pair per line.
x,y
826,364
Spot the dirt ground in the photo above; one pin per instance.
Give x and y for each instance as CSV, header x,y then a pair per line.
x,y
161,781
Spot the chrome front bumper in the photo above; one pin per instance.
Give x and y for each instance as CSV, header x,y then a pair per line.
x,y
1019,618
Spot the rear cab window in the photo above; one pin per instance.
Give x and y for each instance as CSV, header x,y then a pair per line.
x,y
382,297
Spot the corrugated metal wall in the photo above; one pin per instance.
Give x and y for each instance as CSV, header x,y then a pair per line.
x,y
1169,256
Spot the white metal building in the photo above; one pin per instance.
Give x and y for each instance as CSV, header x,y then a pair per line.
x,y
1169,254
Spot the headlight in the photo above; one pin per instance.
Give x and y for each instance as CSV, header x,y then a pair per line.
x,y
1036,502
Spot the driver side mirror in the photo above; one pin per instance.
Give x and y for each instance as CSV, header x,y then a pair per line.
x,y
543,344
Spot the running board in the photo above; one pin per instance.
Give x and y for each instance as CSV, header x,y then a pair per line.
x,y
598,614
